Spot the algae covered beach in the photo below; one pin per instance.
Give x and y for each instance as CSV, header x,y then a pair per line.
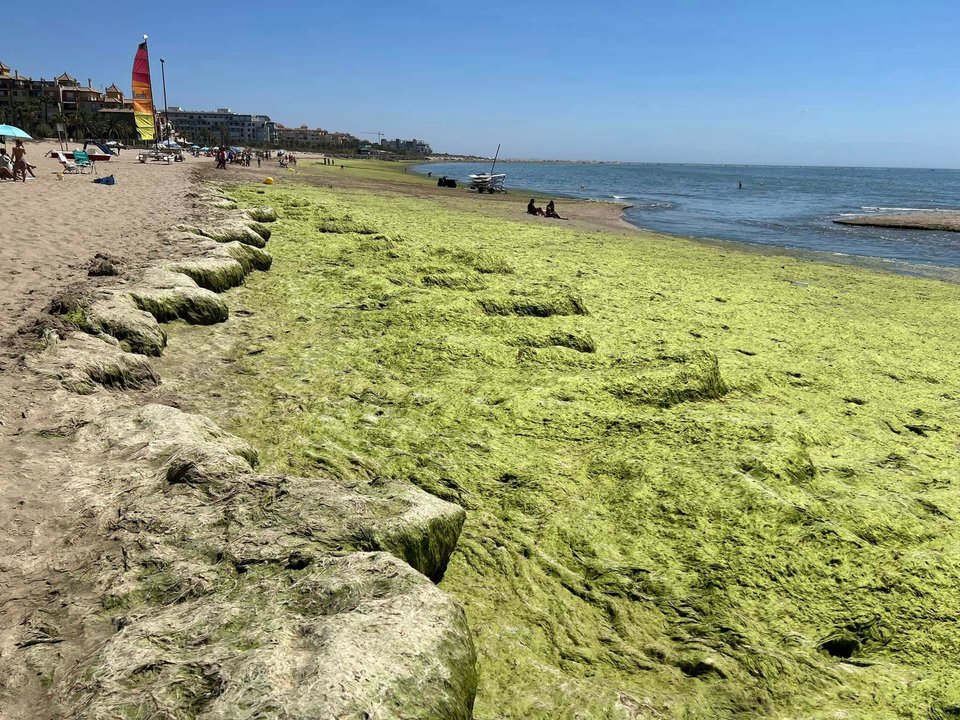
x,y
699,482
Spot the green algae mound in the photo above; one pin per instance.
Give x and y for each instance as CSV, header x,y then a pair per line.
x,y
699,482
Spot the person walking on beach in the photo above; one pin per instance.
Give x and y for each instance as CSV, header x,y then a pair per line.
x,y
259,154
221,159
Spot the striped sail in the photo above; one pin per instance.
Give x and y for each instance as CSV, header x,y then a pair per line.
x,y
142,94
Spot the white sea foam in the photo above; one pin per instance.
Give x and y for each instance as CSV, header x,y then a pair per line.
x,y
876,208
645,204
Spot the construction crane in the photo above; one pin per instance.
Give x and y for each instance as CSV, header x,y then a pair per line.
x,y
378,134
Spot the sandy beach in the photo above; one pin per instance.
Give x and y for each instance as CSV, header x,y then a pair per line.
x,y
51,230
52,227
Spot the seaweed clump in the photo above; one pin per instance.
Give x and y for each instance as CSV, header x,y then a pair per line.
x,y
699,380
544,306
667,526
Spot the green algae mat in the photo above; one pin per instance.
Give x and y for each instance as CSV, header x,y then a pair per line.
x,y
700,482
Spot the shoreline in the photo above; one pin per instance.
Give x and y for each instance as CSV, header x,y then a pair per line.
x,y
943,273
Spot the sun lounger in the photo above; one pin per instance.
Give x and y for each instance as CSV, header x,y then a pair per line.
x,y
83,162
155,155
69,166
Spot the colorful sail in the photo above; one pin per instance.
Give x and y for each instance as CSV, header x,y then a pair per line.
x,y
142,94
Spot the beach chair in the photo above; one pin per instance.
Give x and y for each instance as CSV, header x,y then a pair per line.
x,y
69,167
82,161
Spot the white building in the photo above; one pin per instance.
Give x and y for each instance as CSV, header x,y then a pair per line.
x,y
241,129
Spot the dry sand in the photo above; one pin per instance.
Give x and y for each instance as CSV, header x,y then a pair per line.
x,y
50,228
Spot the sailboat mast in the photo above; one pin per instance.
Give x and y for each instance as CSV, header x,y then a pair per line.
x,y
495,159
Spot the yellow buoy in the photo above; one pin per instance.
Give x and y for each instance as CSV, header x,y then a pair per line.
x,y
268,181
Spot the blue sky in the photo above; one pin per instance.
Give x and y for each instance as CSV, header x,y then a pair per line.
x,y
822,83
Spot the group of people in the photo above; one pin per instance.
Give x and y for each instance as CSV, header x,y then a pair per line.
x,y
15,166
226,155
550,212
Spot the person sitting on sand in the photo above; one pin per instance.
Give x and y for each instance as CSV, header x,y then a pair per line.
x,y
19,161
6,165
552,211
532,208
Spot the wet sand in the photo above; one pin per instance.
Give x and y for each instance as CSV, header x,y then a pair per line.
x,y
949,221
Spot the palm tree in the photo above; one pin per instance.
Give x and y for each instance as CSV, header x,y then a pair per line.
x,y
224,134
81,123
116,128
98,126
60,118
44,104
26,114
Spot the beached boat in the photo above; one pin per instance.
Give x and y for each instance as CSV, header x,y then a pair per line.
x,y
487,182
95,157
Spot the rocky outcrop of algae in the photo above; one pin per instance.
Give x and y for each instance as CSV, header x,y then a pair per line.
x,y
239,594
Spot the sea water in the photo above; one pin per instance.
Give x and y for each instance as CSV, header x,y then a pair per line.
x,y
791,207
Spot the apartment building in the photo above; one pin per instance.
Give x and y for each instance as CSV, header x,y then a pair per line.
x,y
406,147
302,135
242,129
305,136
61,94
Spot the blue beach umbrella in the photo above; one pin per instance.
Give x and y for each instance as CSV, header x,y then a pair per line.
x,y
9,131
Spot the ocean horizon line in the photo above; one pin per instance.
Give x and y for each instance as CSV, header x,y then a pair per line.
x,y
439,161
